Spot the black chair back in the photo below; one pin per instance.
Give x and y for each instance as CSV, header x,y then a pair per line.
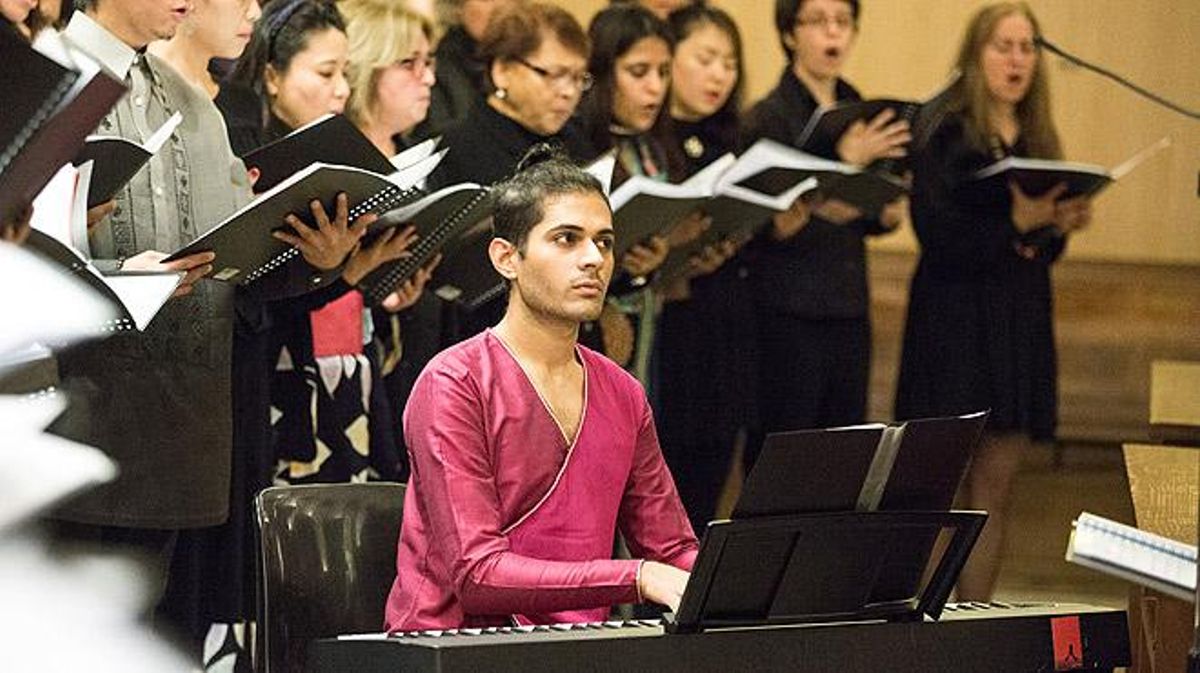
x,y
328,562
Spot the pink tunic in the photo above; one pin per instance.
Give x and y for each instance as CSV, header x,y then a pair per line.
x,y
504,519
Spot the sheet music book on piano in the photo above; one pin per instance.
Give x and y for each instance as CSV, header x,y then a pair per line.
x,y
1135,555
914,465
117,160
55,96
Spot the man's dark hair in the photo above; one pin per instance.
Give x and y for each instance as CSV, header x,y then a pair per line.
x,y
785,19
544,172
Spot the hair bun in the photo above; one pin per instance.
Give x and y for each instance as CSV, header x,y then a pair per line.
x,y
542,153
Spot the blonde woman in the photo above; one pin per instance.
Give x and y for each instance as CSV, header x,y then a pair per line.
x,y
390,69
980,331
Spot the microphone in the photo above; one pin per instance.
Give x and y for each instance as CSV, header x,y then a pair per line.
x,y
1043,43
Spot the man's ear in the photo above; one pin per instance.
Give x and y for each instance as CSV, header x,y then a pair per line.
x,y
504,258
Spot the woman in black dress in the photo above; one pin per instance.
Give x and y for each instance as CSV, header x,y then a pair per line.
x,y
809,267
980,333
706,339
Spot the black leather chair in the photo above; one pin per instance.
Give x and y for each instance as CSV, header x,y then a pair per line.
x,y
328,561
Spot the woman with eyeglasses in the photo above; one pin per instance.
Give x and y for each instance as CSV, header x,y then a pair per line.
x,y
390,69
705,347
809,266
536,65
980,331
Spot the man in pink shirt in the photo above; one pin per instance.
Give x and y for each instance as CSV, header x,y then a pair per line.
x,y
529,451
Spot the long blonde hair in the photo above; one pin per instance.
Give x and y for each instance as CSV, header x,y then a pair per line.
x,y
380,33
969,96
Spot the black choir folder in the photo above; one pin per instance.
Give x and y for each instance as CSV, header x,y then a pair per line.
x,y
445,221
331,139
244,247
246,251
54,97
782,167
115,160
1038,176
827,125
840,525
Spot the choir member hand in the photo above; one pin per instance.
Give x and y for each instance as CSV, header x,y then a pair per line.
x,y
408,293
195,267
894,213
1030,212
327,245
96,215
711,258
662,584
389,245
17,230
837,211
1073,214
644,258
789,223
884,137
688,228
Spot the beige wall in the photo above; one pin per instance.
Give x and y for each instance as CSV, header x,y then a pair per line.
x,y
906,47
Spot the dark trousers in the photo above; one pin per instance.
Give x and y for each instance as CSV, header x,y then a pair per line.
x,y
813,373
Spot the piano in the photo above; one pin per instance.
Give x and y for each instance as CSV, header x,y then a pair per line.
x,y
977,637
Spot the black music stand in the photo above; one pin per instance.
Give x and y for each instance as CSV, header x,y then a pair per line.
x,y
911,465
821,568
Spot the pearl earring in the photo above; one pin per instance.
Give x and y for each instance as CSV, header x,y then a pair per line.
x,y
501,93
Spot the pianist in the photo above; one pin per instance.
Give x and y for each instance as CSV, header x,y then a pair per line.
x,y
529,451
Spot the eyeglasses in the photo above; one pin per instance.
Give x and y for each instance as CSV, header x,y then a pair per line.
x,y
582,81
841,21
418,65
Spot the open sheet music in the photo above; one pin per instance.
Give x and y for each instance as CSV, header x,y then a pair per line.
x,y
116,160
1038,176
1132,554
